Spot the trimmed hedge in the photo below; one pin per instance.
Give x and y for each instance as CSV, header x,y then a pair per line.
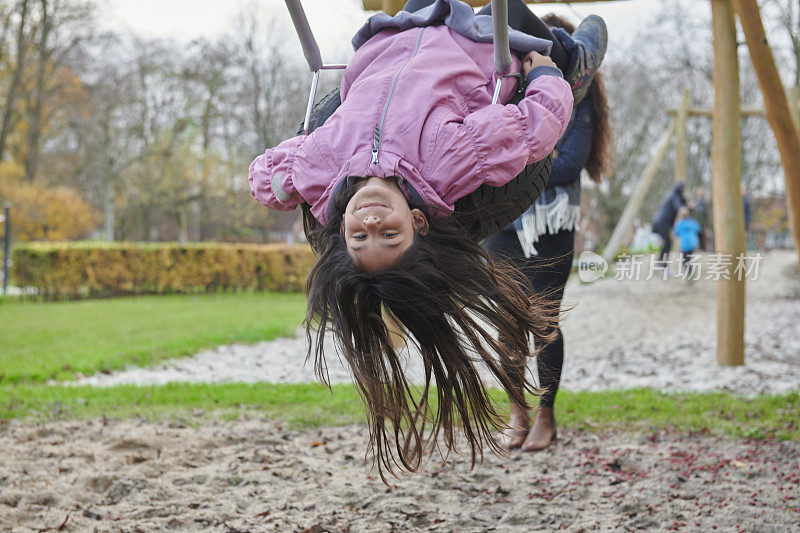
x,y
96,270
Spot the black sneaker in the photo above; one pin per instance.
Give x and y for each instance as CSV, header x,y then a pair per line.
x,y
590,41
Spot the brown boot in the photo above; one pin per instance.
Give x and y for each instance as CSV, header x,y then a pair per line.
x,y
518,425
543,431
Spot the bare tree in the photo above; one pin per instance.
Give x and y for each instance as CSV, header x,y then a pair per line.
x,y
784,15
43,52
207,75
6,15
22,42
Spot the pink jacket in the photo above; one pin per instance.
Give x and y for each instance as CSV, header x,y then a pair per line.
x,y
416,104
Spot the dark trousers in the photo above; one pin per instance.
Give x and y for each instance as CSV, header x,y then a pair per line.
x,y
520,18
546,275
688,264
666,236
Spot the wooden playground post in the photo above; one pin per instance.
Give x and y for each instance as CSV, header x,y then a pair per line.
x,y
794,104
680,137
707,112
639,193
777,107
726,178
389,6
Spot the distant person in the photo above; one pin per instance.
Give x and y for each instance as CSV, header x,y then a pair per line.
x,y
748,209
687,230
701,212
665,218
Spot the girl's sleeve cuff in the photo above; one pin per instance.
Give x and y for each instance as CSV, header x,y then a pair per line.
x,y
543,70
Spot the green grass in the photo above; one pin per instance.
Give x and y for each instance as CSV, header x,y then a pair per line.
x,y
718,413
299,404
310,405
41,341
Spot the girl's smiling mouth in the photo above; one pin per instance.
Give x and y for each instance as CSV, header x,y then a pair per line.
x,y
371,204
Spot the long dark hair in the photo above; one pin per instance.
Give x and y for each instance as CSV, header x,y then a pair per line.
x,y
452,300
601,157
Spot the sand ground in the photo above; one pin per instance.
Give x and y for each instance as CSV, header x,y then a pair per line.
x,y
254,475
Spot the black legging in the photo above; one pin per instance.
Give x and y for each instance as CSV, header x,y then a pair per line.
x,y
520,18
666,235
546,274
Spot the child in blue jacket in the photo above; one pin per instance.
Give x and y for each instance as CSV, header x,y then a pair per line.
x,y
687,230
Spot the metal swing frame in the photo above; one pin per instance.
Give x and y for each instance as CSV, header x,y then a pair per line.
x,y
502,50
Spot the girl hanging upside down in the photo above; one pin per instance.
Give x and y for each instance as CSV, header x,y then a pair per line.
x,y
415,132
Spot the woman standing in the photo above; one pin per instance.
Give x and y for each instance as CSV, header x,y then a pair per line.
x,y
539,245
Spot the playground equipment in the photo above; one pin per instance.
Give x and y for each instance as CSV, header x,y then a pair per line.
x,y
487,209
502,51
726,113
311,51
676,131
393,6
726,157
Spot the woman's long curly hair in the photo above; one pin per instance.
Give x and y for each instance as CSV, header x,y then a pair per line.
x,y
453,302
601,158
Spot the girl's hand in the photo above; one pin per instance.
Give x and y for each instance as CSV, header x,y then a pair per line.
x,y
535,59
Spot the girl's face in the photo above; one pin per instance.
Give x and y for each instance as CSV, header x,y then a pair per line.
x,y
378,226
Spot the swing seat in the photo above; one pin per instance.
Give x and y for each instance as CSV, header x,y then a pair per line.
x,y
481,213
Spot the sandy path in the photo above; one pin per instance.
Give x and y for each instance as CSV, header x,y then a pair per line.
x,y
253,475
618,334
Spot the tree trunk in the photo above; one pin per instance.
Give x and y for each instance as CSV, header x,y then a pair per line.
x,y
183,230
108,206
145,108
202,201
4,33
11,96
34,138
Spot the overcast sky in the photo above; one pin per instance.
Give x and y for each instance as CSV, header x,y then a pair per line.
x,y
333,21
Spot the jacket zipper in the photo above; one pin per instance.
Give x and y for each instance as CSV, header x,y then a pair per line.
x,y
378,132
